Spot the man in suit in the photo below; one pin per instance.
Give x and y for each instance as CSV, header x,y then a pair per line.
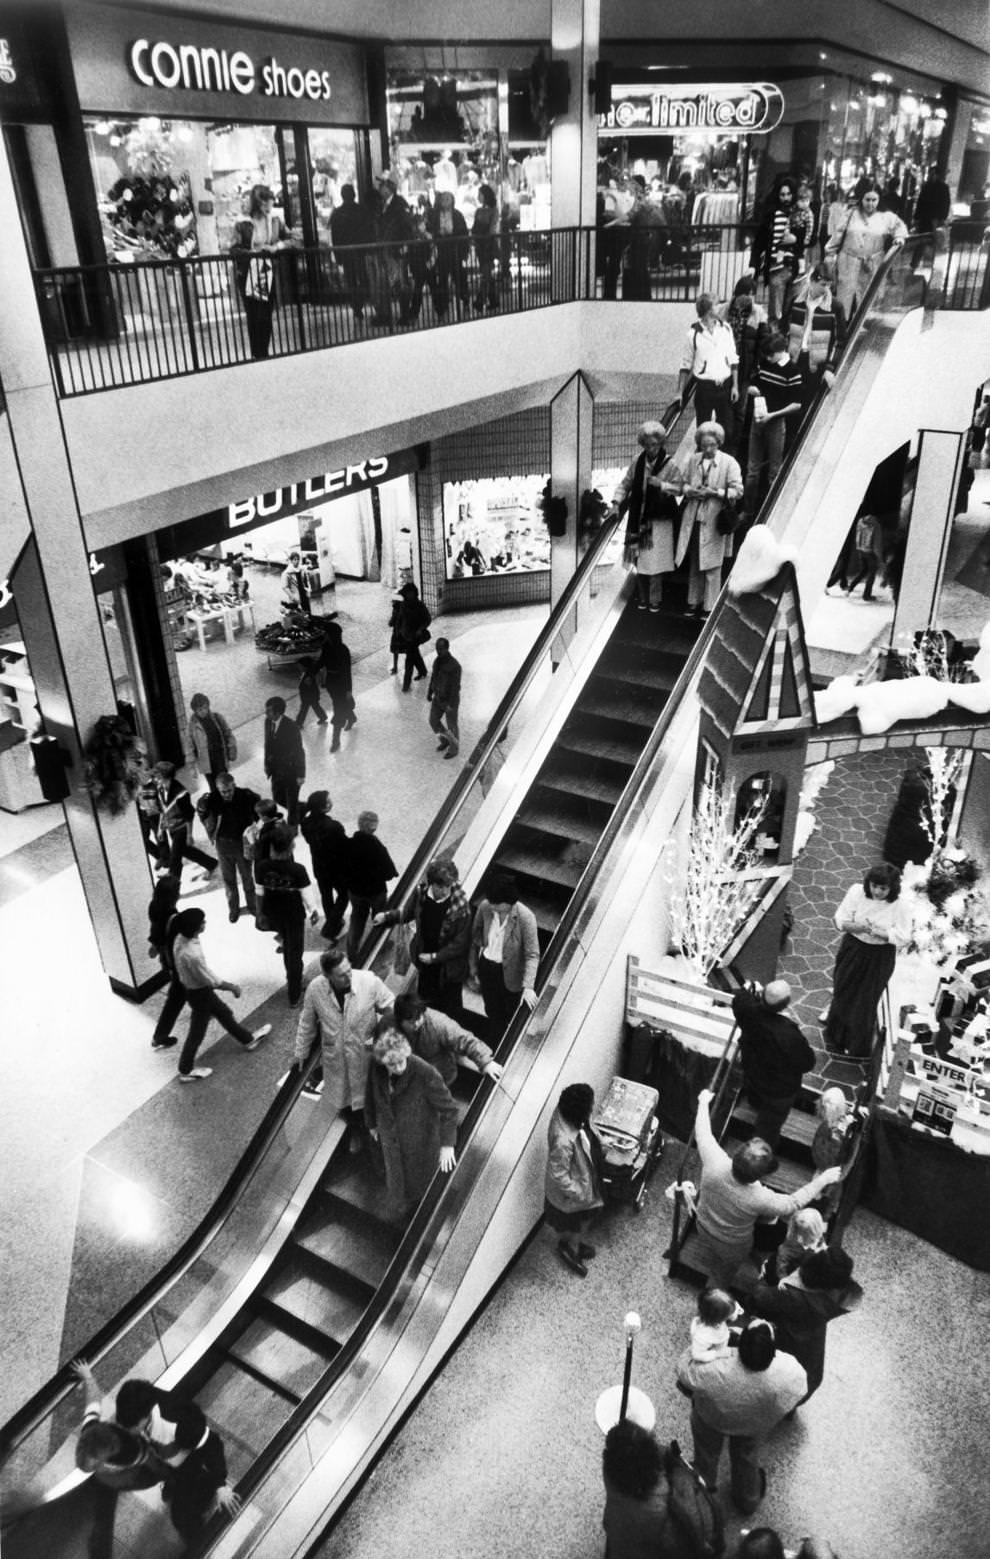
x,y
285,759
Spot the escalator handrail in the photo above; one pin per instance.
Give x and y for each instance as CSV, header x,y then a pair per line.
x,y
38,1407
856,328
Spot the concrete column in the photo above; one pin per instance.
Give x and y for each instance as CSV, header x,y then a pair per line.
x,y
574,33
571,412
940,458
60,619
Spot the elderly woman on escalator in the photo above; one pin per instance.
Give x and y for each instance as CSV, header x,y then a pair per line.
x,y
411,1113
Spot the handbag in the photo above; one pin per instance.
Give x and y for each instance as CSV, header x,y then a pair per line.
x,y
729,519
260,276
422,635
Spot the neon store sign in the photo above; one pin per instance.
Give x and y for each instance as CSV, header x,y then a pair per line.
x,y
192,68
724,108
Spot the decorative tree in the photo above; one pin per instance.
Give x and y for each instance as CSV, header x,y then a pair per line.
x,y
944,765
712,891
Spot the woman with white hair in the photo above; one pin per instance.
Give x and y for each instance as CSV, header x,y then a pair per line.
x,y
411,1112
711,482
646,496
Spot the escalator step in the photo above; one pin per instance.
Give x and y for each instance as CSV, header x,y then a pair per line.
x,y
352,1180
246,1414
617,751
609,699
283,1359
339,1234
531,863
576,779
800,1125
554,816
332,1310
641,667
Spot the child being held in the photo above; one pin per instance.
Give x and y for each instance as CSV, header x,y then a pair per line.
x,y
805,1233
710,1327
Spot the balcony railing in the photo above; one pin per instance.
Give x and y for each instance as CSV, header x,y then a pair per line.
x,y
135,321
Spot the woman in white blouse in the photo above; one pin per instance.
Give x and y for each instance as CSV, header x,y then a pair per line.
x,y
858,246
875,922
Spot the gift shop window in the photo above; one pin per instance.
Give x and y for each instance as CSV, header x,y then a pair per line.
x,y
495,525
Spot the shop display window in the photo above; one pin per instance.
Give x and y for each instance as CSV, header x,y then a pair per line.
x,y
495,526
332,162
456,133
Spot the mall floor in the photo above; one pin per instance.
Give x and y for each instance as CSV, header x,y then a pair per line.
x,y
108,1163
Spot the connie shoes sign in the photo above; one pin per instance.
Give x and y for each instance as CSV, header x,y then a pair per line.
x,y
144,62
721,108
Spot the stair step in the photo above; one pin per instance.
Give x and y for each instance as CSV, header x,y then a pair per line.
x,y
622,752
684,1267
607,699
249,1413
338,1233
555,816
284,1359
315,1300
575,779
350,1179
799,1126
642,667
566,874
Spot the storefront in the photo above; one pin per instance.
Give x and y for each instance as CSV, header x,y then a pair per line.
x,y
455,130
181,117
714,147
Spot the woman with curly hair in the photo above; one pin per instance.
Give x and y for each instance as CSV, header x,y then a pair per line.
x,y
874,922
411,1113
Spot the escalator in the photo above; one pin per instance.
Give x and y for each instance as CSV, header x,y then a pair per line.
x,y
307,1349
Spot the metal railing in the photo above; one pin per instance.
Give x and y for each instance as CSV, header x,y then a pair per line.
x,y
139,319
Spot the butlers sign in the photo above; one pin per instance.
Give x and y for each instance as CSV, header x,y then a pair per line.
x,y
721,108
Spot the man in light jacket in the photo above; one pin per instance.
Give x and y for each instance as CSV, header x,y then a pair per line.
x,y
341,1010
505,953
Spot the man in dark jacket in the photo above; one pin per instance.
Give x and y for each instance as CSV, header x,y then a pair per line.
x,y
368,870
774,1055
395,228
801,1308
444,697
225,813
285,759
351,227
438,1039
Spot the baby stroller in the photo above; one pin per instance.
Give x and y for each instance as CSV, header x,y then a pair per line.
x,y
632,1143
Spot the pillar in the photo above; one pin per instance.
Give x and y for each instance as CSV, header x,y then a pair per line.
x,y
571,413
574,31
940,458
60,620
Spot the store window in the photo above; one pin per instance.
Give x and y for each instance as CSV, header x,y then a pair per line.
x,y
178,187
495,525
457,132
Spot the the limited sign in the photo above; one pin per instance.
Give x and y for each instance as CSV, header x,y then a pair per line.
x,y
727,108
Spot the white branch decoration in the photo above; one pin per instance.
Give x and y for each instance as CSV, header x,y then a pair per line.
x,y
711,891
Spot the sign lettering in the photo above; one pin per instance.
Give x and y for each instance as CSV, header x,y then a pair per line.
x,y
285,499
8,75
730,107
193,68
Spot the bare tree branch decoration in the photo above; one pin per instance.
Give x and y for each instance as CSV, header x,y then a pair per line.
x,y
712,891
944,765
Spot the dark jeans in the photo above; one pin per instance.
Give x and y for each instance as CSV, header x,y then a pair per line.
x,y
308,701
234,863
175,1000
443,720
361,909
766,455
713,403
176,848
206,1004
259,312
290,925
333,896
414,662
285,792
500,1003
743,1460
770,1115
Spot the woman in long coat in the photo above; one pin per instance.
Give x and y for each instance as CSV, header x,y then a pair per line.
x,y
710,481
572,1187
411,1112
645,496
